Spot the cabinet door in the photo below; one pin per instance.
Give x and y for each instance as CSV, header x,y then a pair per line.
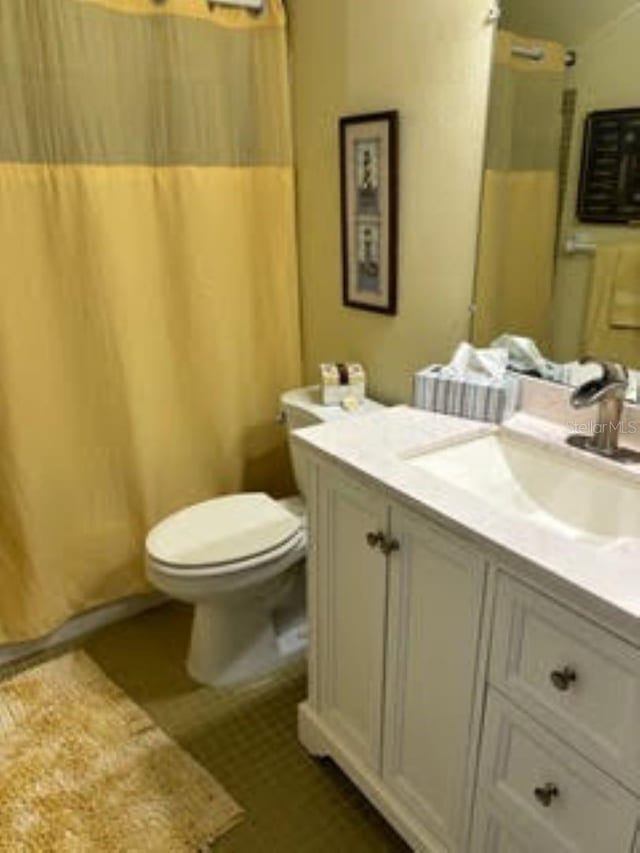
x,y
352,591
435,614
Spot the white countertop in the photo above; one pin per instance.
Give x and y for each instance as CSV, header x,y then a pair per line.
x,y
376,444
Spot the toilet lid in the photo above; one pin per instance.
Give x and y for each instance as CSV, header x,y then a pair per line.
x,y
222,530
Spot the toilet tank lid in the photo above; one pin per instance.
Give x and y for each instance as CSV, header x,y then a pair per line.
x,y
308,400
222,530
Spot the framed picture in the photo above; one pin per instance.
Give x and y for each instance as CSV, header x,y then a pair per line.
x,y
369,175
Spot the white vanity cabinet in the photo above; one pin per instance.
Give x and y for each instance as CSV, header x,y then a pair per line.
x,y
477,712
395,639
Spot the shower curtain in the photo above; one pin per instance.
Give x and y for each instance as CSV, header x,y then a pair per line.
x,y
516,259
148,303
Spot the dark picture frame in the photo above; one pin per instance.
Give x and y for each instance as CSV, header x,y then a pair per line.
x,y
610,169
369,211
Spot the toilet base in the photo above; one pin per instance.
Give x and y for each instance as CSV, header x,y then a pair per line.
x,y
235,642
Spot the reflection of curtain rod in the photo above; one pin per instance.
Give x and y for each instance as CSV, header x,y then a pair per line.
x,y
252,5
537,54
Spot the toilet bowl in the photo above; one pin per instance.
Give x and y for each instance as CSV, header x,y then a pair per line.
x,y
239,560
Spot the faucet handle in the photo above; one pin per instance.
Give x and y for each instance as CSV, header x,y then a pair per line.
x,y
611,385
612,371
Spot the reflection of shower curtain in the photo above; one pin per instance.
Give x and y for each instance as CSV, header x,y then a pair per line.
x,y
519,214
148,307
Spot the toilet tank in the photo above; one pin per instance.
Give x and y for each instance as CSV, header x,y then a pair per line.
x,y
302,408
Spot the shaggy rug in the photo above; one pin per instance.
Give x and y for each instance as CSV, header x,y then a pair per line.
x,y
84,769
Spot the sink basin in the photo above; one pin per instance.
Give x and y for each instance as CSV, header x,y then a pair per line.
x,y
520,478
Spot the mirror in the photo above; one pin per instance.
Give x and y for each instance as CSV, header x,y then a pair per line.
x,y
559,243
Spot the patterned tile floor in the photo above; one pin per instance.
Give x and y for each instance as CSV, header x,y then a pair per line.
x,y
247,739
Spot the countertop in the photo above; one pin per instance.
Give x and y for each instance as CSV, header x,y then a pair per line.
x,y
374,446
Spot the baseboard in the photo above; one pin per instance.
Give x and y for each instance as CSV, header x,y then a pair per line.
x,y
81,625
318,740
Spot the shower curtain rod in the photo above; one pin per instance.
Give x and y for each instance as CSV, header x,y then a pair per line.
x,y
537,54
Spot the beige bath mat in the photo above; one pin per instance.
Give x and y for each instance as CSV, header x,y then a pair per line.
x,y
84,769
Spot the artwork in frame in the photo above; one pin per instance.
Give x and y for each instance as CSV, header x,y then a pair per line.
x,y
369,172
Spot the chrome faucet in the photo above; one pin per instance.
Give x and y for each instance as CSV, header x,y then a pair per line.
x,y
608,392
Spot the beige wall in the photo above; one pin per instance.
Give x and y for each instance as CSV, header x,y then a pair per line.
x,y
431,60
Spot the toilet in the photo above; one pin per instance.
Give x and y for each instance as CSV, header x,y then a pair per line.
x,y
239,560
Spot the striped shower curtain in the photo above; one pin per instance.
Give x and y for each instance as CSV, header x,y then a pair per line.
x,y
148,296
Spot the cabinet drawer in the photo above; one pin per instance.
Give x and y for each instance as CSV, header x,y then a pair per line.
x,y
491,834
543,790
575,678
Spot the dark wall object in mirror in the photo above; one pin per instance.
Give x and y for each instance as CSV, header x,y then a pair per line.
x,y
610,174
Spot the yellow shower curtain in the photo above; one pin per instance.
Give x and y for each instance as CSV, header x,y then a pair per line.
x,y
148,303
516,260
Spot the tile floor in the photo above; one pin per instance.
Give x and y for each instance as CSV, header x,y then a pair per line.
x,y
247,739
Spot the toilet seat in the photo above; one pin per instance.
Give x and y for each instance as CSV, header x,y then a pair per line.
x,y
225,535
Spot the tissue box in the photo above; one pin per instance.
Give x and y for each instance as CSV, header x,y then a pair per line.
x,y
341,380
438,389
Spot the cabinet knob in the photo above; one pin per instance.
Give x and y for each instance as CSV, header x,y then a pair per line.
x,y
386,545
389,546
546,794
562,679
375,540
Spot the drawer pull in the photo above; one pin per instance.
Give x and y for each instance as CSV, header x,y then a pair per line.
x,y
562,679
546,794
375,540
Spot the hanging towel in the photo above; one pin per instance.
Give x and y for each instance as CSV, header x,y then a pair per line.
x,y
601,337
625,297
